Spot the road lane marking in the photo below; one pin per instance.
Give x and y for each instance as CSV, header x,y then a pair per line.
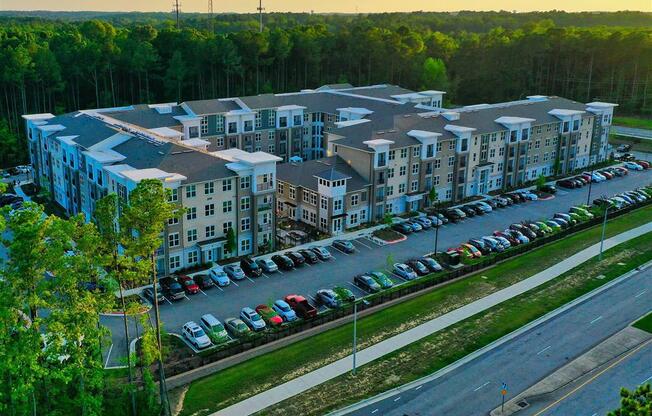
x,y
374,411
482,386
639,294
646,380
543,350
418,387
595,320
397,399
108,355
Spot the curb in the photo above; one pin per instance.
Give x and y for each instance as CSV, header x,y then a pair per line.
x,y
490,346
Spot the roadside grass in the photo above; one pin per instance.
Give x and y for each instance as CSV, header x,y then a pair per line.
x,y
445,347
636,122
640,145
261,373
644,323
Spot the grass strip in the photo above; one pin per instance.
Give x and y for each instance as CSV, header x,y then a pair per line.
x,y
635,122
640,145
644,323
445,347
258,374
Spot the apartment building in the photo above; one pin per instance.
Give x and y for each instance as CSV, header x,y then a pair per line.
x,y
326,194
83,156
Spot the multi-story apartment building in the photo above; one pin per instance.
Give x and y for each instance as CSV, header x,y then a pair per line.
x,y
83,156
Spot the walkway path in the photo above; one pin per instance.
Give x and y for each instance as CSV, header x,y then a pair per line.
x,y
300,384
632,132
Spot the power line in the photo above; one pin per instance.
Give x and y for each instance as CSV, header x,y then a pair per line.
x,y
175,9
260,14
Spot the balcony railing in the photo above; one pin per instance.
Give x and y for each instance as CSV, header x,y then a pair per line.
x,y
265,186
264,207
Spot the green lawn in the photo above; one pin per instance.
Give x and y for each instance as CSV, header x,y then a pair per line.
x,y
645,323
641,145
253,376
636,122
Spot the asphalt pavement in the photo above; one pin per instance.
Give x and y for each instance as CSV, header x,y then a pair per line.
x,y
475,387
227,302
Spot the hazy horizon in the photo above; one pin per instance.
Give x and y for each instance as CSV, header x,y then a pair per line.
x,y
334,6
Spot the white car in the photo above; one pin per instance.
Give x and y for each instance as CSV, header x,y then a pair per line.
x,y
252,319
283,309
218,276
529,195
195,335
633,166
404,271
487,207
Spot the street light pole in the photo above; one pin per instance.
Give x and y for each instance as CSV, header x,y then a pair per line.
x,y
604,226
355,333
588,198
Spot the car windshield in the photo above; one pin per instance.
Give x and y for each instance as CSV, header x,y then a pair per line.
x,y
255,317
198,333
284,308
175,286
189,282
218,327
240,326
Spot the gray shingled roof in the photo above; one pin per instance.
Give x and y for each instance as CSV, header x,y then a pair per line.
x,y
384,92
89,130
331,175
148,118
172,158
204,107
304,174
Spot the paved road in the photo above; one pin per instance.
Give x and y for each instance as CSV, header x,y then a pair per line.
x,y
601,394
308,279
632,132
474,388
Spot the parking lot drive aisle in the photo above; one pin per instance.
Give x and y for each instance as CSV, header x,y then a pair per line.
x,y
306,280
342,366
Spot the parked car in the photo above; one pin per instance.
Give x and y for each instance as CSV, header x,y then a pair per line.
x,y
606,174
218,276
582,212
404,271
432,264
565,217
502,240
8,199
345,294
236,327
252,319
188,284
283,262
551,189
623,171
172,289
382,279
478,210
627,157
213,328
567,183
470,212
418,267
344,245
513,241
195,335
491,202
416,227
250,267
441,217
471,249
624,148
643,163
436,221
269,315
297,259
534,228
329,298
519,236
267,265
633,166
309,256
501,202
480,245
544,227
234,272
424,222
301,306
321,252
148,293
454,214
528,195
366,283
557,223
494,244
283,309
484,206
531,235
402,228
203,281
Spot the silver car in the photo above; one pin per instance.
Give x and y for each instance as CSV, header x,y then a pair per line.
x,y
267,265
404,271
234,272
251,318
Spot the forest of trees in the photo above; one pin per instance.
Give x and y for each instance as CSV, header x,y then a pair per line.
x,y
66,63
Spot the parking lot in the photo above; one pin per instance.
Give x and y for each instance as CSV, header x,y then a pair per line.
x,y
224,302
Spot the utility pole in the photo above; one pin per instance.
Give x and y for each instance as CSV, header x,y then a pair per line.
x,y
604,227
210,14
588,198
260,14
176,6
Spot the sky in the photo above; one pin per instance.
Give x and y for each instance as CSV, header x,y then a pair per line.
x,y
342,6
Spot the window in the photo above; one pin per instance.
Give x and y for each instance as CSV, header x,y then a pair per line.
x,y
437,164
535,159
271,118
245,245
545,157
414,186
259,120
297,120
271,148
219,124
337,205
193,257
173,221
227,206
245,182
402,171
500,167
323,223
323,202
390,190
404,153
439,146
283,121
245,203
271,135
392,154
204,125
401,188
219,142
191,213
175,262
209,210
576,125
492,152
245,224
415,168
381,159
209,188
566,126
451,161
355,200
390,173
173,240
293,192
415,151
248,125
210,231
191,191
258,137
227,226
232,127
449,194
192,235
435,181
449,177
226,185
501,151
173,195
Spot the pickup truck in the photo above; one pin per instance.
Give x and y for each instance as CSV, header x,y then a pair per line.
x,y
301,306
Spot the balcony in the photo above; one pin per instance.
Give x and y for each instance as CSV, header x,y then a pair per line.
x,y
264,207
264,227
265,186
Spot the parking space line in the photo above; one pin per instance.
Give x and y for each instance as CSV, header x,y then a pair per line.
x,y
221,290
203,293
166,299
358,287
233,281
340,250
108,355
265,275
307,264
396,275
360,242
187,298
250,279
279,270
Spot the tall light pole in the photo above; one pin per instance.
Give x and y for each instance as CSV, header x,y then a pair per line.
x,y
588,198
355,332
604,226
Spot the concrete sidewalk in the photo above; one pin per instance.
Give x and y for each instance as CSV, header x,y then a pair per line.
x,y
300,384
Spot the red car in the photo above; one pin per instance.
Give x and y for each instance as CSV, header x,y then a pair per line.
x,y
301,306
623,170
188,284
269,315
646,165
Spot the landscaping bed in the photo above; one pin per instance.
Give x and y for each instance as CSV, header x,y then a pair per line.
x,y
388,235
641,145
644,323
135,305
233,384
